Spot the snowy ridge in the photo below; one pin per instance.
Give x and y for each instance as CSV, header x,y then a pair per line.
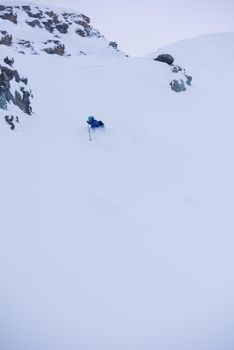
x,y
37,29
210,52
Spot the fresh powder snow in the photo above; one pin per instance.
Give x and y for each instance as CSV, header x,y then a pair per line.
x,y
124,242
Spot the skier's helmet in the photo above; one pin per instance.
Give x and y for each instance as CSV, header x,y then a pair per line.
x,y
90,118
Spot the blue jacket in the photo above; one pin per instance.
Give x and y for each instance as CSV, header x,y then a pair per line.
x,y
94,123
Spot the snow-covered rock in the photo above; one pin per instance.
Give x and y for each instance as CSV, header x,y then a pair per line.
x,y
183,80
36,29
15,92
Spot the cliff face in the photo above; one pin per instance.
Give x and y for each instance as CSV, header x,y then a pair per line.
x,y
15,93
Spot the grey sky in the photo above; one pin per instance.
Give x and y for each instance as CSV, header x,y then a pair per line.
x,y
141,26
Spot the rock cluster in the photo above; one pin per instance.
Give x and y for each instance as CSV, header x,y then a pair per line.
x,y
114,45
177,85
5,38
7,13
13,89
54,47
54,24
50,20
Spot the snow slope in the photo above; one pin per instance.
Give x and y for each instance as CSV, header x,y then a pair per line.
x,y
124,242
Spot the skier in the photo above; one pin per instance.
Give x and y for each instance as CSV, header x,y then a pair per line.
x,y
94,123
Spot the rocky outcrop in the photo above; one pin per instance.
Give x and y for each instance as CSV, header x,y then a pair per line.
x,y
176,69
5,38
11,121
178,85
9,61
34,23
183,81
7,13
188,79
13,89
22,100
54,47
165,58
21,97
25,46
52,22
62,28
114,45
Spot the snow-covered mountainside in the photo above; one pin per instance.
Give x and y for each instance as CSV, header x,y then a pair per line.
x,y
36,29
124,242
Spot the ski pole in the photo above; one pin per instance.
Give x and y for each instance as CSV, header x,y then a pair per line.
x,y
90,139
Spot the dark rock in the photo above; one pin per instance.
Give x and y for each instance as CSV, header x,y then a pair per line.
x,y
62,28
10,121
188,79
66,15
178,85
86,28
53,16
165,58
85,18
24,80
35,23
26,8
38,15
23,102
57,49
6,38
50,13
3,100
20,99
2,8
81,32
9,74
114,45
176,69
9,15
49,25
9,61
25,43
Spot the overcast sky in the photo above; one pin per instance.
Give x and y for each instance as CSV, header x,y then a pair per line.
x,y
141,26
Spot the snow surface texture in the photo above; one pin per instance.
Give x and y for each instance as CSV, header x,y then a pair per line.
x,y
37,29
124,242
